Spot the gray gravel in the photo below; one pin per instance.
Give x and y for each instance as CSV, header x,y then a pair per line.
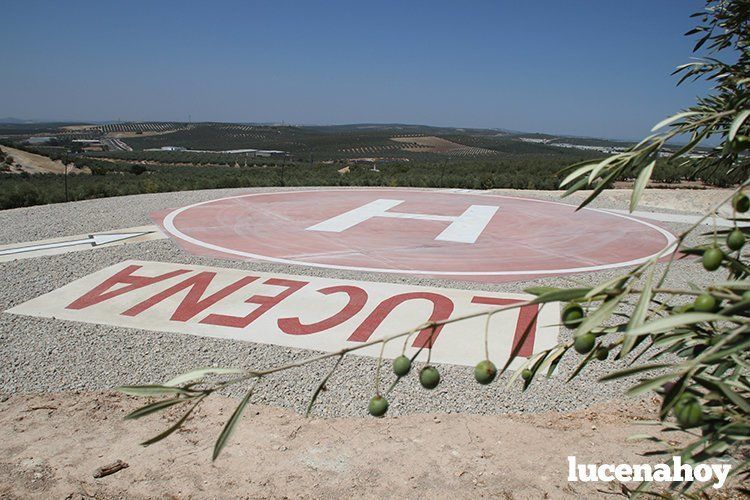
x,y
41,355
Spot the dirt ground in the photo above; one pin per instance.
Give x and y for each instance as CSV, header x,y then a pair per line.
x,y
433,144
79,127
51,446
696,201
38,164
144,133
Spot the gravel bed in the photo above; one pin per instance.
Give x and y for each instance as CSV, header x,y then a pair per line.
x,y
46,355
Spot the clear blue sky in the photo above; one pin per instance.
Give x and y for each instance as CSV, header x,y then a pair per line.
x,y
596,67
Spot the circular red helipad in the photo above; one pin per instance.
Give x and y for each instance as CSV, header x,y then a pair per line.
x,y
436,233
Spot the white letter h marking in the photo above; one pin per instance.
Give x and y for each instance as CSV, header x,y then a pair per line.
x,y
464,228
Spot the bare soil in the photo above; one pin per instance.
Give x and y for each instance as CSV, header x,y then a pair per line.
x,y
38,164
696,201
433,144
51,446
144,133
683,184
80,127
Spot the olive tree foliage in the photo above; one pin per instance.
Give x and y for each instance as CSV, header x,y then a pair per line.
x,y
688,345
694,343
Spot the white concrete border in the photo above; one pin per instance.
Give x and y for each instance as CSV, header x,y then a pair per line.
x,y
76,243
170,228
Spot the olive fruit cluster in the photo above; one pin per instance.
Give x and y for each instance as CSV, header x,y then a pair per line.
x,y
401,366
740,143
688,411
736,239
741,204
485,372
378,406
714,256
705,302
429,377
572,316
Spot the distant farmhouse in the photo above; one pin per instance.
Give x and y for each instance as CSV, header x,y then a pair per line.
x,y
90,144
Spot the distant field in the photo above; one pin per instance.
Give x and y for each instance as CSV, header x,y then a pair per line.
x,y
31,163
433,144
342,155
141,127
341,143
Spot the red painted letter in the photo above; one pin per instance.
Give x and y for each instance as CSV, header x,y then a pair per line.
x,y
442,307
265,303
124,277
357,300
193,303
526,321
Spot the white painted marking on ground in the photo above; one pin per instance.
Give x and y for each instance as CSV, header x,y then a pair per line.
x,y
467,191
93,240
297,311
356,216
57,246
465,228
402,215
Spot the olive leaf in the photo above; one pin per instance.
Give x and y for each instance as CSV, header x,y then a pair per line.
x,y
737,123
226,432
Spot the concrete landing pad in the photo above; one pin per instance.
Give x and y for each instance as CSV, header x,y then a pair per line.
x,y
477,237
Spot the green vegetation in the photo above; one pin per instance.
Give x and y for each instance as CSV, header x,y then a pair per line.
x,y
5,161
141,127
185,158
473,159
134,172
124,178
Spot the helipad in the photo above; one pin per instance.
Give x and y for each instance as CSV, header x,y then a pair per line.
x,y
478,237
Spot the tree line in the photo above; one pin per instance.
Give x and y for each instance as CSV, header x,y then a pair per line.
x,y
116,177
